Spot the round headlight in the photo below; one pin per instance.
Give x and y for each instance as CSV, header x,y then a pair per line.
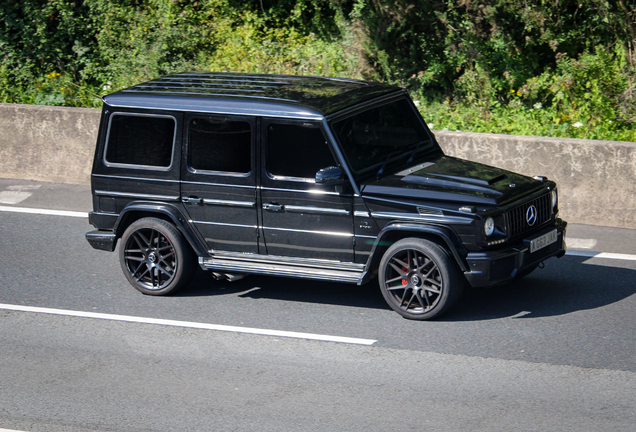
x,y
555,198
489,227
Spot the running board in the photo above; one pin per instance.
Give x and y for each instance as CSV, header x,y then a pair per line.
x,y
280,266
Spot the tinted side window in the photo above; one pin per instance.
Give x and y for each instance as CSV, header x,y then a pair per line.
x,y
140,140
220,145
297,151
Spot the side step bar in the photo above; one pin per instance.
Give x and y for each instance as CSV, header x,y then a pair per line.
x,y
279,266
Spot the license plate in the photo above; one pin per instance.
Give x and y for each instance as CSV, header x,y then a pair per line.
x,y
543,241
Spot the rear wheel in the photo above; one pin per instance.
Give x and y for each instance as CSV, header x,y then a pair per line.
x,y
419,279
155,257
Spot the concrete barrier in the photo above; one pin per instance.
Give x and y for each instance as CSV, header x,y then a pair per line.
x,y
596,178
53,144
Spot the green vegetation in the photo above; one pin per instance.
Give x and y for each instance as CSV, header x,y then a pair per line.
x,y
533,67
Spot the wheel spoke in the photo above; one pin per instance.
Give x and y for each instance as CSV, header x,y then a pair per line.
x,y
167,246
139,237
166,256
410,300
400,278
141,275
168,271
419,299
412,260
428,274
434,282
134,258
399,267
426,297
428,268
153,278
135,237
431,289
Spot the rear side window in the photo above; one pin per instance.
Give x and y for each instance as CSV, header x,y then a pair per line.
x,y
220,144
140,140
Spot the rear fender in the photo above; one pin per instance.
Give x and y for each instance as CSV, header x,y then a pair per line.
x,y
168,212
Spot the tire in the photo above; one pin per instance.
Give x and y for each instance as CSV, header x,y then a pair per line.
x,y
419,279
155,258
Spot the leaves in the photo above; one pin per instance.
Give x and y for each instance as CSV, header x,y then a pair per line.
x,y
477,62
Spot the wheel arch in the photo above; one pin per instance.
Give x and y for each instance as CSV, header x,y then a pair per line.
x,y
167,212
394,232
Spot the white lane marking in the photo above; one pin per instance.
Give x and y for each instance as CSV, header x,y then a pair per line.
x,y
16,194
521,314
186,324
606,255
578,243
9,430
23,188
44,211
13,197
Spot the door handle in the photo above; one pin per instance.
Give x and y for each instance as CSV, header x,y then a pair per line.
x,y
273,207
192,200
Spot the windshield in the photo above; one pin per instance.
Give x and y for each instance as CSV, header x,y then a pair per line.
x,y
382,135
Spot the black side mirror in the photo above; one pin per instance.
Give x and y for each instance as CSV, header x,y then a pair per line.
x,y
330,176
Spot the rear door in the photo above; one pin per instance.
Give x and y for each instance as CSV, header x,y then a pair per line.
x,y
299,219
218,185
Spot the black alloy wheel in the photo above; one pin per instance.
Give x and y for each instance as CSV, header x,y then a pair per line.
x,y
155,257
419,279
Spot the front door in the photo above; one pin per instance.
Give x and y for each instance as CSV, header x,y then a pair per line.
x,y
218,185
300,219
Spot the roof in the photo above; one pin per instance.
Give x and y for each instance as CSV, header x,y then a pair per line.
x,y
255,94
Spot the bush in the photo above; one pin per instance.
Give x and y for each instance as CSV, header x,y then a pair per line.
x,y
510,66
584,98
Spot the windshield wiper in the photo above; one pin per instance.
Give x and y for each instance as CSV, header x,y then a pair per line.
x,y
410,159
417,147
381,171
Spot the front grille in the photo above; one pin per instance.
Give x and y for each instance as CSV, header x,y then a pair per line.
x,y
517,217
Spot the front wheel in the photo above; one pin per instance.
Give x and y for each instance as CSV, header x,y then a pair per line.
x,y
419,279
155,257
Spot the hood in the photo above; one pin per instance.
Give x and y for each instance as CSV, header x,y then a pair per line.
x,y
454,180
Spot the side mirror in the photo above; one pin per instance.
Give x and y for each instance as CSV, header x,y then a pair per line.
x,y
330,176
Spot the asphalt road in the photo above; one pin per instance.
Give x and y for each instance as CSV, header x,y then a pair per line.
x,y
555,351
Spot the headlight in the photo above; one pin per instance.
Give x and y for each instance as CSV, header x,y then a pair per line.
x,y
555,198
489,227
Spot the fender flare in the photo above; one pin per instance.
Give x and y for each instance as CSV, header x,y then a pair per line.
x,y
172,212
446,235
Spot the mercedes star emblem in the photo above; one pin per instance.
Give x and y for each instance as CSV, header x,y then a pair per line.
x,y
531,215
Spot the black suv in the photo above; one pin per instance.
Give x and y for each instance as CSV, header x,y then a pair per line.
x,y
319,178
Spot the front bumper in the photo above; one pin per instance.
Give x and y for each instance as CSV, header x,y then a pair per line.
x,y
500,266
